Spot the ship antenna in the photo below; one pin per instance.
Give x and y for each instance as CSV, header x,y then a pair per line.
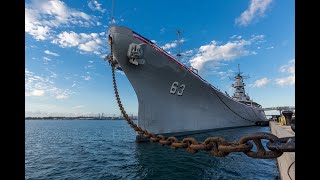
x,y
239,68
178,55
112,11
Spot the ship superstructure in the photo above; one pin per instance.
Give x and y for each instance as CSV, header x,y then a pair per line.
x,y
239,90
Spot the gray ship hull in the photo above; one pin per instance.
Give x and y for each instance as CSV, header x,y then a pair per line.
x,y
200,106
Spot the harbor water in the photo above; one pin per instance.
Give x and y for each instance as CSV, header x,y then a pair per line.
x,y
106,149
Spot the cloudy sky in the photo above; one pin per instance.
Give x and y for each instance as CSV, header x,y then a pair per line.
x,y
65,44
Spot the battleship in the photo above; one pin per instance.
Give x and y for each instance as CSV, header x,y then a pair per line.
x,y
173,99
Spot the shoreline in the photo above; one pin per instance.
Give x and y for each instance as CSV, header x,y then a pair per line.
x,y
76,118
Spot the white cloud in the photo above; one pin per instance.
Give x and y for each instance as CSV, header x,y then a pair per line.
x,y
289,69
66,39
46,59
87,78
290,80
223,74
95,6
51,53
257,9
261,82
90,46
34,27
36,92
235,36
42,16
61,96
36,85
187,53
86,43
260,38
38,32
169,45
78,107
90,66
185,56
172,44
154,41
214,52
53,74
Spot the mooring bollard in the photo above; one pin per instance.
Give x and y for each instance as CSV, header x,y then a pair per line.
x,y
287,115
293,124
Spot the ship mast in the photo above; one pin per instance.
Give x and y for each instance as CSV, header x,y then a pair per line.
x,y
112,11
179,52
179,41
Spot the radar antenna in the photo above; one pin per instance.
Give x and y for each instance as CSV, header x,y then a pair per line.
x,y
239,75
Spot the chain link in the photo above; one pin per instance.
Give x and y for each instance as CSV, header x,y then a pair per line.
x,y
216,146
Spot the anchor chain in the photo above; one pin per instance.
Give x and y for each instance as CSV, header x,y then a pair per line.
x,y
216,146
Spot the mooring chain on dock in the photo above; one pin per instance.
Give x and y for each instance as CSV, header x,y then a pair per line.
x,y
216,146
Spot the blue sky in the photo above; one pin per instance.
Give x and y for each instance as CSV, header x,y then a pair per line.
x,y
65,42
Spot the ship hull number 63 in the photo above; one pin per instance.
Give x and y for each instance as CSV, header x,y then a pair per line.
x,y
177,88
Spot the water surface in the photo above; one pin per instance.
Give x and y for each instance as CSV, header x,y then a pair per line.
x,y
95,149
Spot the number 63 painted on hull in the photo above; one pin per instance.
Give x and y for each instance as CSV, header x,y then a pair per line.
x,y
174,87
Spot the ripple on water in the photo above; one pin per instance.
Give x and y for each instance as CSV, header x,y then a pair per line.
x,y
107,150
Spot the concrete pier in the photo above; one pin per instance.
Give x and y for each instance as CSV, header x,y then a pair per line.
x,y
286,162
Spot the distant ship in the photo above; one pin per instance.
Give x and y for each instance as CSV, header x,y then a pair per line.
x,y
173,98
